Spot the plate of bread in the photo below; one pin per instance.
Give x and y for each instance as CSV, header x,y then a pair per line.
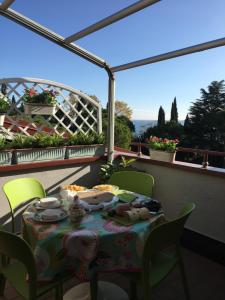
x,y
74,188
106,188
94,199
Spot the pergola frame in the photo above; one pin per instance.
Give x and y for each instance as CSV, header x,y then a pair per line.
x,y
67,44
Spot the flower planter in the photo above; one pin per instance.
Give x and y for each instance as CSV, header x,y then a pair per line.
x,y
85,151
162,155
2,119
5,157
38,154
39,109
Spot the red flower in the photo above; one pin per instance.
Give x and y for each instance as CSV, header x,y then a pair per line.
x,y
32,92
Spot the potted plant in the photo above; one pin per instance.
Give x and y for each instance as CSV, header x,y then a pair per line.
x,y
162,149
119,165
40,147
43,103
81,145
4,105
5,154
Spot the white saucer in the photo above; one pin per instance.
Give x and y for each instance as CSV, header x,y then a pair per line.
x,y
37,217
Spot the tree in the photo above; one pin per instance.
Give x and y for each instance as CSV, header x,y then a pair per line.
x,y
207,118
161,117
187,121
128,122
123,125
122,109
174,112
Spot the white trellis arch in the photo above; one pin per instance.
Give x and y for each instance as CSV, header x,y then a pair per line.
x,y
75,110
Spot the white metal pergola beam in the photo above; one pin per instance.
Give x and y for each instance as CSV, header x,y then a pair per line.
x,y
169,55
6,4
111,19
50,35
65,43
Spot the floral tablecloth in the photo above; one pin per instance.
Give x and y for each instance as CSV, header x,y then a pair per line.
x,y
94,242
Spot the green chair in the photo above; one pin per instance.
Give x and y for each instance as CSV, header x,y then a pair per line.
x,y
18,267
137,182
19,191
160,256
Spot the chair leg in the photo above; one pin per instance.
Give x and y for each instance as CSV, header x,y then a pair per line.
x,y
2,284
184,279
94,286
59,292
133,290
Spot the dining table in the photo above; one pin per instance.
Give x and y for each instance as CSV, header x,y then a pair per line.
x,y
94,242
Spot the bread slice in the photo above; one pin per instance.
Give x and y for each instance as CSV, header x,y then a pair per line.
x,y
95,197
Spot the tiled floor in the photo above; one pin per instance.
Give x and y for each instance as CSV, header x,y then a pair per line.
x,y
206,281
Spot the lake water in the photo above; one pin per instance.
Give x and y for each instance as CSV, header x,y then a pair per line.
x,y
142,125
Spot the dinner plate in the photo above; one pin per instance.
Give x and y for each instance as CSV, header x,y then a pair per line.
x,y
37,217
38,205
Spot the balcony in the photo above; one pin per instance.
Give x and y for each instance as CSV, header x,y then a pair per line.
x,y
175,184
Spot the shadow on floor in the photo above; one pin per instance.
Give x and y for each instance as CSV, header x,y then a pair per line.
x,y
206,281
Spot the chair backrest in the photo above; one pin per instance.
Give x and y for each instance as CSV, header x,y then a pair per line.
x,y
137,182
166,235
14,247
20,190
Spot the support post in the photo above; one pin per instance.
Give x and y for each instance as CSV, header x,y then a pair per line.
x,y
111,120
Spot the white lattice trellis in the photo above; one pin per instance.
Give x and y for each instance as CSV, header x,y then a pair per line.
x,y
75,111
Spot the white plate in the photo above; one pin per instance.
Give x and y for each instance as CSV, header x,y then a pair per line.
x,y
55,205
37,217
38,205
93,207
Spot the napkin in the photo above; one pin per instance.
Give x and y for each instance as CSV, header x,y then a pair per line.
x,y
126,197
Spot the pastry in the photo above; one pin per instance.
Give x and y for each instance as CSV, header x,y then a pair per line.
x,y
74,188
105,187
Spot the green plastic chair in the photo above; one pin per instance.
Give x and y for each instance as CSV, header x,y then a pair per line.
x,y
137,182
18,267
19,191
161,255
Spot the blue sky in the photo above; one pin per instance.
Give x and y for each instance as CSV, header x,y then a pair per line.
x,y
165,26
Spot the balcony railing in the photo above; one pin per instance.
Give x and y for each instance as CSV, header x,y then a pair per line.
x,y
204,153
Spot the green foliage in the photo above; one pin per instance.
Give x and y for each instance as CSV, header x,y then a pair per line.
x,y
88,139
162,144
3,143
170,130
174,112
122,135
108,169
46,97
127,121
207,118
45,140
161,117
21,142
123,129
4,104
98,138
